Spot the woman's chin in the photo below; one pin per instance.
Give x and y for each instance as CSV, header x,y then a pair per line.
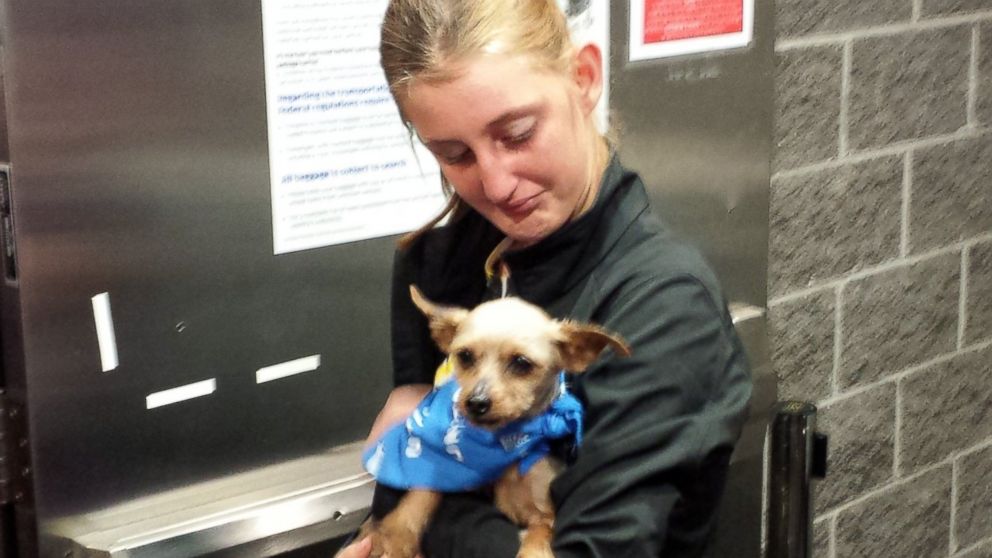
x,y
525,232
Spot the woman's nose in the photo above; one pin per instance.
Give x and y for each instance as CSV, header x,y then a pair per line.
x,y
497,177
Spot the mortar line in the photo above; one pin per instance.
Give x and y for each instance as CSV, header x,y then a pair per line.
x,y
974,546
823,39
917,10
904,373
879,268
898,148
982,444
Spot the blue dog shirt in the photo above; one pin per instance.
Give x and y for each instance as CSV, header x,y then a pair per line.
x,y
438,449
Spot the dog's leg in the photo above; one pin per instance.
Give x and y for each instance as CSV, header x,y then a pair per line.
x,y
526,500
398,534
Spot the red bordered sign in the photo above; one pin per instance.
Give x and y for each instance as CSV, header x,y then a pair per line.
x,y
662,28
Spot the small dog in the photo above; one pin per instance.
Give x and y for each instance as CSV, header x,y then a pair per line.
x,y
506,357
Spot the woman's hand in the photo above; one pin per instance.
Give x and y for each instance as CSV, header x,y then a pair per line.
x,y
360,549
401,402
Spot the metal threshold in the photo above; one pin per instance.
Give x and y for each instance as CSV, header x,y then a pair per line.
x,y
277,509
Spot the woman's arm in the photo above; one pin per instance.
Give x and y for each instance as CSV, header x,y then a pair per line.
x,y
400,403
660,427
360,549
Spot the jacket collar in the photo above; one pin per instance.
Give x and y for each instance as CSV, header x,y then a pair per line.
x,y
541,273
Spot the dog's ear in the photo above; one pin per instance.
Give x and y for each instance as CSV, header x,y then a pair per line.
x,y
582,344
443,320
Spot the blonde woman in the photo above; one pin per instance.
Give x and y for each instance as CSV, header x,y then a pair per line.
x,y
541,208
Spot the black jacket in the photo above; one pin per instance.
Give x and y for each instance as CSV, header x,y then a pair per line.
x,y
660,424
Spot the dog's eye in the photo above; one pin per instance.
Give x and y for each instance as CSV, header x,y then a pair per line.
x,y
521,365
465,358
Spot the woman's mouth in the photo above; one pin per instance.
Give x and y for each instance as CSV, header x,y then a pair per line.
x,y
522,207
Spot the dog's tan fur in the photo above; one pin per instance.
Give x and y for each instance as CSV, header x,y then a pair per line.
x,y
506,353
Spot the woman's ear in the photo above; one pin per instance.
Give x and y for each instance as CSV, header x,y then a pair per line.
x,y
588,76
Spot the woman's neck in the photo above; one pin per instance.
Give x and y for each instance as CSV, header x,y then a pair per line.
x,y
598,160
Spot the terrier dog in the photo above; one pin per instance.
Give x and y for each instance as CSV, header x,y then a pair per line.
x,y
506,400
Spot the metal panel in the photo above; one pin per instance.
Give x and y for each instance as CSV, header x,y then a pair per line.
x,y
138,133
698,128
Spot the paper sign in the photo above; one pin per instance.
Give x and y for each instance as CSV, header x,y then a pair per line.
x,y
343,166
663,28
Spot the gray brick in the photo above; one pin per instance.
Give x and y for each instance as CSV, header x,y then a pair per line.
x,y
908,86
862,445
821,539
974,513
952,193
984,104
936,8
803,17
946,408
807,105
827,223
911,519
899,318
978,325
802,345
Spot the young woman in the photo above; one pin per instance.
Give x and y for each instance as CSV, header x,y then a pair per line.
x,y
542,209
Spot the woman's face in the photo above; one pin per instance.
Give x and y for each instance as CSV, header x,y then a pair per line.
x,y
513,140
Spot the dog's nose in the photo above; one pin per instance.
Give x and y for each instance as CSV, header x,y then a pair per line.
x,y
478,405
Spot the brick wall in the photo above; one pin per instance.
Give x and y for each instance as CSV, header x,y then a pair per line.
x,y
880,272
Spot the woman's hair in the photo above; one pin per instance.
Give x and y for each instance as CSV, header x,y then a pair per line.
x,y
424,39
421,38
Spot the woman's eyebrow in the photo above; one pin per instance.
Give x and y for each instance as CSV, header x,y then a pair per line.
x,y
510,116
438,144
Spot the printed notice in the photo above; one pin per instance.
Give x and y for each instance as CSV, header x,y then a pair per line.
x,y
663,28
343,167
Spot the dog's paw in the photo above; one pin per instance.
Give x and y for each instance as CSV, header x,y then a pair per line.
x,y
535,542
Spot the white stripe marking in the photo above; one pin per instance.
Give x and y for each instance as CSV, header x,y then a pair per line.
x,y
105,331
181,393
291,368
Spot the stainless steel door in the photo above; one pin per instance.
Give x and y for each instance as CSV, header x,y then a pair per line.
x,y
698,128
138,147
138,142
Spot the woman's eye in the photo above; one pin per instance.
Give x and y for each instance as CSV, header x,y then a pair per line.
x,y
521,365
457,159
518,140
520,131
465,358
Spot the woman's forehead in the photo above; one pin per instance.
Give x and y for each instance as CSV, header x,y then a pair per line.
x,y
483,90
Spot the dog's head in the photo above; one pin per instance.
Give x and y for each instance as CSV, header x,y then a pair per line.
x,y
506,355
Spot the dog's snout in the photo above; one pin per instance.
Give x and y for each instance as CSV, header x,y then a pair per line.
x,y
478,405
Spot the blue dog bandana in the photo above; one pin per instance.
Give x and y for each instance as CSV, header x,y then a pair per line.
x,y
438,449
